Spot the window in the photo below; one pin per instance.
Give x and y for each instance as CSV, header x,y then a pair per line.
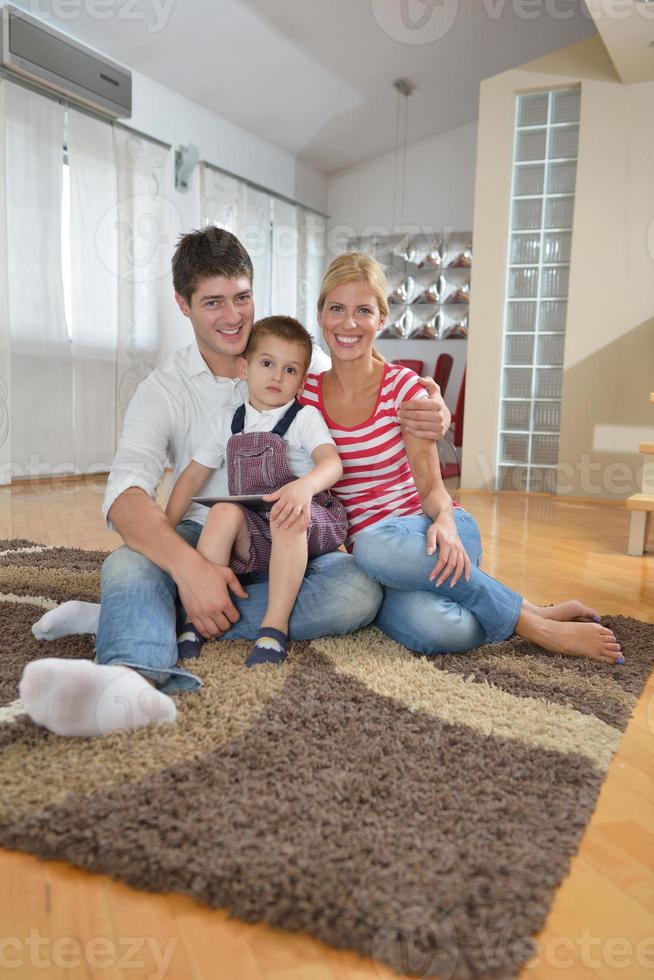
x,y
542,204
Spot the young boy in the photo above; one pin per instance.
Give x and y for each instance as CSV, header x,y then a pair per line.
x,y
274,447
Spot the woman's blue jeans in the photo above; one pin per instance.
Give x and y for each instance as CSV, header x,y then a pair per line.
x,y
140,611
414,611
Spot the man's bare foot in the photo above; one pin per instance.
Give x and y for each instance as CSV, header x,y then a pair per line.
x,y
571,639
564,612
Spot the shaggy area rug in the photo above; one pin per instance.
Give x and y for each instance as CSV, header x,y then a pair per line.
x,y
419,811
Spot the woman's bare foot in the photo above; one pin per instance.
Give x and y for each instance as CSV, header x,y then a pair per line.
x,y
564,612
571,639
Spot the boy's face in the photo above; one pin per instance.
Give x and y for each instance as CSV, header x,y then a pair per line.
x,y
222,313
275,372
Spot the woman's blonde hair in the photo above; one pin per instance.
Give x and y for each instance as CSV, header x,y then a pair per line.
x,y
357,267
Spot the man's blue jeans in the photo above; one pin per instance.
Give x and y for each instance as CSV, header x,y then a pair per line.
x,y
416,613
140,610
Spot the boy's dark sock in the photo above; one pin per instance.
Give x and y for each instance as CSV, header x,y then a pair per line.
x,y
189,642
269,647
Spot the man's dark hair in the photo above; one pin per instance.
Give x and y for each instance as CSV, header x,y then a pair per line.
x,y
283,328
206,253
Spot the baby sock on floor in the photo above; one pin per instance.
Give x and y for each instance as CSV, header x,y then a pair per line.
x,y
79,697
269,647
69,617
189,642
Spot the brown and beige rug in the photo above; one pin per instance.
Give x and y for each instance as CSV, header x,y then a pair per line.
x,y
419,811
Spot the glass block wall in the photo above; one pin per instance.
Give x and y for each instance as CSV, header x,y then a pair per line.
x,y
542,204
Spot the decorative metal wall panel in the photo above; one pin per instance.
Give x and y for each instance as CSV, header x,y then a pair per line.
x,y
429,283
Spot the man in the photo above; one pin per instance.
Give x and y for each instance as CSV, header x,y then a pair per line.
x,y
146,583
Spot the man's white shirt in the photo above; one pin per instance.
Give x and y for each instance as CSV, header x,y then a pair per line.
x,y
166,421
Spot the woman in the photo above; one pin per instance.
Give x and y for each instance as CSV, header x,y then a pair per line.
x,y
404,529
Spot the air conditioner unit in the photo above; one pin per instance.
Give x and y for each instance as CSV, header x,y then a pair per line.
x,y
35,51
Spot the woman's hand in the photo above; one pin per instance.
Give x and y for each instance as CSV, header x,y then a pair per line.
x,y
293,504
452,557
426,418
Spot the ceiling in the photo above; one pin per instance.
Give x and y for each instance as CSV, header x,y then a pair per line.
x,y
628,37
315,77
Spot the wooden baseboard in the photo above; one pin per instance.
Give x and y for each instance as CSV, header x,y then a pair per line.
x,y
44,481
560,498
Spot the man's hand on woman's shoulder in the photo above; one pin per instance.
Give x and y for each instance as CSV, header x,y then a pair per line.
x,y
426,418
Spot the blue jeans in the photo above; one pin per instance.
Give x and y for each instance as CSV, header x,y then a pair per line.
x,y
140,611
415,612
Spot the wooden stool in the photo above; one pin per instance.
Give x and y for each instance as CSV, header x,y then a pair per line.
x,y
641,506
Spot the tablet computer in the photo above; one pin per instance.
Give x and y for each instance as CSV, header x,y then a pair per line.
x,y
251,500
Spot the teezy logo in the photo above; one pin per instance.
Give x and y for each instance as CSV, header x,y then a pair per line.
x,y
415,21
417,942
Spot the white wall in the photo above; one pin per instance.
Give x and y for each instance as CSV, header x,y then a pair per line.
x,y
440,184
608,368
440,180
171,117
168,116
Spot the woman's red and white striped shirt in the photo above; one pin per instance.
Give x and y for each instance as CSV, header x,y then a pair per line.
x,y
377,479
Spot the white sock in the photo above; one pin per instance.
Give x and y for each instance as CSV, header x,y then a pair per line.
x,y
69,617
79,697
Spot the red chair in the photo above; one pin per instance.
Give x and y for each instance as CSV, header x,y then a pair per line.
x,y
443,370
414,365
454,438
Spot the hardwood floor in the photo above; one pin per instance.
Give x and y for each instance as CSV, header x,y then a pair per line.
x,y
602,921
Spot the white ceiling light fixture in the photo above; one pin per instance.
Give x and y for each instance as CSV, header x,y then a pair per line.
x,y
404,89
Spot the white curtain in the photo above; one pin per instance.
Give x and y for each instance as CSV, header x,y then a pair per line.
x,y
145,222
5,367
93,250
231,204
312,249
65,381
285,258
40,351
221,199
285,242
255,234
